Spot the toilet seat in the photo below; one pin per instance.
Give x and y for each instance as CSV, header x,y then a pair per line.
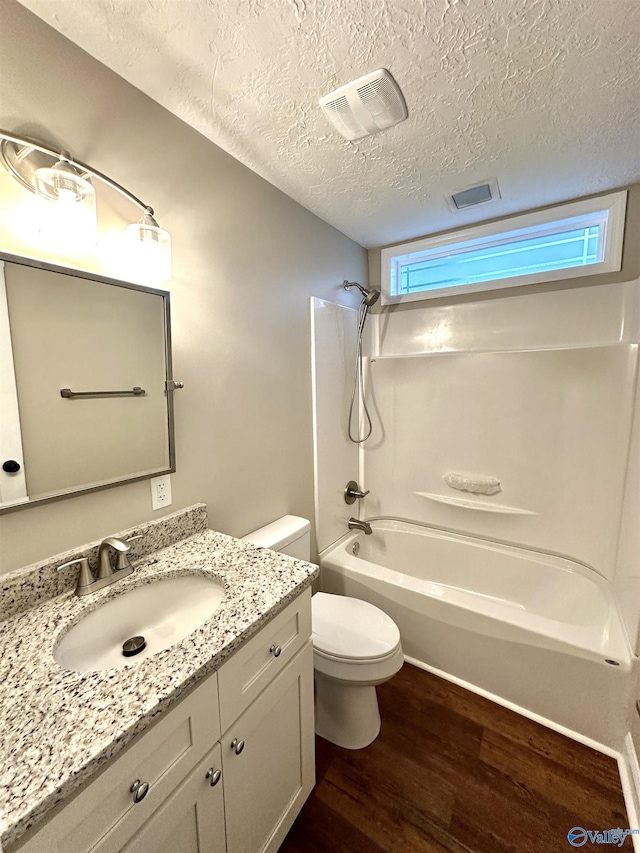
x,y
348,629
318,653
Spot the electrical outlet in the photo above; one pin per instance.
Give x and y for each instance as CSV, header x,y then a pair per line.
x,y
161,491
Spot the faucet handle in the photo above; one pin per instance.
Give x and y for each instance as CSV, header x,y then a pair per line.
x,y
115,543
122,554
352,492
85,578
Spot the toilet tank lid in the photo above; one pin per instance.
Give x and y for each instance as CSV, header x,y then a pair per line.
x,y
279,533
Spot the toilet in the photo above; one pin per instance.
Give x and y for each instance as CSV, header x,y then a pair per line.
x,y
356,646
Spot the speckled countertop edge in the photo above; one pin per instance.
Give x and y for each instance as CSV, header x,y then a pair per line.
x,y
57,728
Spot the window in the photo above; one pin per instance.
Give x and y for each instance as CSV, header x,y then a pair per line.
x,y
581,238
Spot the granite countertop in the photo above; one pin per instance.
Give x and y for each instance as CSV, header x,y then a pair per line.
x,y
57,728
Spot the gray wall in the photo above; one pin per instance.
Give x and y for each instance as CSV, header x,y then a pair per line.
x,y
245,259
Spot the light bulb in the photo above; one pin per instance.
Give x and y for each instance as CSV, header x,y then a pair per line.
x,y
66,197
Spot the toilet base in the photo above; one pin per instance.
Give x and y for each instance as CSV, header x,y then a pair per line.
x,y
346,714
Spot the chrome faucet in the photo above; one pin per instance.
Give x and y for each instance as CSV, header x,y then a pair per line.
x,y
355,524
106,575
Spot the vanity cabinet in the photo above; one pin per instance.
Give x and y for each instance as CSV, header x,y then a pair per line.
x,y
261,700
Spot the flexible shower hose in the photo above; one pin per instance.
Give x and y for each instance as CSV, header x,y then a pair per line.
x,y
358,382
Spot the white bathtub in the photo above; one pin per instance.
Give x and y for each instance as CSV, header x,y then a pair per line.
x,y
530,629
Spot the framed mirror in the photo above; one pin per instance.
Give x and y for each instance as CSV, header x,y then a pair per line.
x,y
86,390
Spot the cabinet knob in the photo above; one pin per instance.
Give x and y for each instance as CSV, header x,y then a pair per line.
x,y
139,790
276,651
238,745
11,466
213,776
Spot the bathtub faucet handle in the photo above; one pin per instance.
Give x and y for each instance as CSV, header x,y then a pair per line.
x,y
352,492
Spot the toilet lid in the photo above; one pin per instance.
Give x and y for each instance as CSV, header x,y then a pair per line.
x,y
351,628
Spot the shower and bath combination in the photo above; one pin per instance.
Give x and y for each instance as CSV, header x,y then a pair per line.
x,y
369,298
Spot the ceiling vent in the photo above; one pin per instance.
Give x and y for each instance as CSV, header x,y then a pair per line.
x,y
472,196
366,106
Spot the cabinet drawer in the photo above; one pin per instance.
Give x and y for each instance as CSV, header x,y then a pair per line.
x,y
161,757
245,675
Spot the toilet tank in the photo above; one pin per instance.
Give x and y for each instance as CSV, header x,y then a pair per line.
x,y
289,535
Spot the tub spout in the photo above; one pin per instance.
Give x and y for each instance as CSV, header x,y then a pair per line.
x,y
355,524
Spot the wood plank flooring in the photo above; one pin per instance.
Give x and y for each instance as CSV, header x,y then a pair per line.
x,y
452,772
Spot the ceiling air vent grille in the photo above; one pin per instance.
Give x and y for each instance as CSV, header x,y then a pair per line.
x,y
366,106
340,113
471,196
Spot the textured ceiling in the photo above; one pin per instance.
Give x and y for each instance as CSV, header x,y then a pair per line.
x,y
542,95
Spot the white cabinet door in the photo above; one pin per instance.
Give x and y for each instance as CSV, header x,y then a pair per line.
x,y
192,819
267,780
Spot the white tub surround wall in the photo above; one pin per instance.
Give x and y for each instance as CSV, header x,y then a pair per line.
x,y
333,344
552,426
599,315
58,728
536,391
627,575
627,591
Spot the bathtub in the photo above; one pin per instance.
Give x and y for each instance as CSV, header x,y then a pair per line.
x,y
534,631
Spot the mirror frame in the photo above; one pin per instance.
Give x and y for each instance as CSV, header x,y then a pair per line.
x,y
166,297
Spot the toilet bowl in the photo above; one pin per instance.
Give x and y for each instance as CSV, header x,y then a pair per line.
x,y
356,646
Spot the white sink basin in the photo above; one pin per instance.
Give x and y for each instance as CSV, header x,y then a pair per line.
x,y
163,612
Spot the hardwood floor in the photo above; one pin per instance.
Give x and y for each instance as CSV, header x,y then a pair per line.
x,y
452,772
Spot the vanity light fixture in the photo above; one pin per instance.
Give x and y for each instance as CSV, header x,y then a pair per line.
x,y
67,185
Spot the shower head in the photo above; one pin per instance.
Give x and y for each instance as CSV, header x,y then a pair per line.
x,y
370,297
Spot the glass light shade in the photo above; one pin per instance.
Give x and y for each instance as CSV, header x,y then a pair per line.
x,y
152,247
62,183
67,215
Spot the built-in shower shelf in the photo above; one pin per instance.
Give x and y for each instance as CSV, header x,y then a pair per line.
x,y
418,355
466,503
496,350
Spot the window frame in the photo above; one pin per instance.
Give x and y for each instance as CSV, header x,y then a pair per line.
x,y
612,206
